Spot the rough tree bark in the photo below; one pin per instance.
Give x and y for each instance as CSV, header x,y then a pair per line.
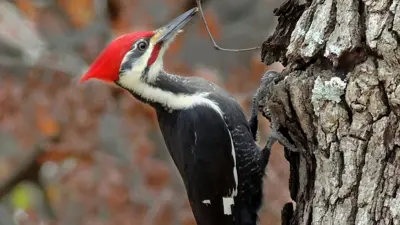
x,y
338,101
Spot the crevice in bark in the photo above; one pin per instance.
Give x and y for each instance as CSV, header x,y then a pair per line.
x,y
287,213
310,184
355,191
301,65
382,179
394,33
347,108
397,186
296,119
293,159
362,22
341,168
390,27
392,154
310,221
285,132
357,138
385,98
350,59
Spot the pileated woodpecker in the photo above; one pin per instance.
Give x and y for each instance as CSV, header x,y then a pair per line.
x,y
204,127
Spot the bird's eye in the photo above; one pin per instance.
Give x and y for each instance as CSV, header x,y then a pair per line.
x,y
142,45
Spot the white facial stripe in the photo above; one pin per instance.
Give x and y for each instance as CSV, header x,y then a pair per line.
x,y
166,98
127,65
140,64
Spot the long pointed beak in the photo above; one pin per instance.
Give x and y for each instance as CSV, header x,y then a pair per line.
x,y
168,31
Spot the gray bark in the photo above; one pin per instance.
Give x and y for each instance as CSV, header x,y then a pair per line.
x,y
339,102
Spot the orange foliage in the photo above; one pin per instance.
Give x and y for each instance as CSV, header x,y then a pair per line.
x,y
173,2
257,68
165,215
178,68
118,196
143,152
59,156
122,23
47,124
156,173
120,27
28,8
187,218
80,12
176,45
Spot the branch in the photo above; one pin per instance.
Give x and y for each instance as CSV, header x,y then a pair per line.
x,y
216,46
29,171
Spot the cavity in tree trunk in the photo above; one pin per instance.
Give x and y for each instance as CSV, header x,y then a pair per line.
x,y
338,100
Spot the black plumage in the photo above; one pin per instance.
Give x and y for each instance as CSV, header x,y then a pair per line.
x,y
199,141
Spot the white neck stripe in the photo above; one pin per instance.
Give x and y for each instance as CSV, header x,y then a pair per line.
x,y
170,100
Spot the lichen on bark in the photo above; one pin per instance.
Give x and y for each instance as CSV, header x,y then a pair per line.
x,y
349,168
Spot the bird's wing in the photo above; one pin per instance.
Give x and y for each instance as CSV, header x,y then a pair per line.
x,y
210,163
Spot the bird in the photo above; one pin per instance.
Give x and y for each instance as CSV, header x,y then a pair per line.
x,y
204,128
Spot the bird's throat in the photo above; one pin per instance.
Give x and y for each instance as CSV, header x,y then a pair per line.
x,y
154,54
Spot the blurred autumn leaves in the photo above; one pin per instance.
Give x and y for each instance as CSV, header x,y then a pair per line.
x,y
109,164
80,12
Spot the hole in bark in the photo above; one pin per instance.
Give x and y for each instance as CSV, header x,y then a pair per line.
x,y
348,60
396,188
385,97
361,10
341,168
391,155
294,178
287,213
347,108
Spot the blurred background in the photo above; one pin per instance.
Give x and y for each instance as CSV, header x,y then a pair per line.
x,y
91,154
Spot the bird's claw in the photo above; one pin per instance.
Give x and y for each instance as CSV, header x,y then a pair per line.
x,y
278,136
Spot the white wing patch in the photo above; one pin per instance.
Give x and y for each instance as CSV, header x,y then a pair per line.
x,y
206,202
235,175
228,202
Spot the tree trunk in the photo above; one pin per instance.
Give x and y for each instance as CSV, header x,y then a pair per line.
x,y
338,102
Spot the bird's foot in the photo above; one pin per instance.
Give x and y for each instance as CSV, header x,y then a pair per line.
x,y
253,121
275,135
